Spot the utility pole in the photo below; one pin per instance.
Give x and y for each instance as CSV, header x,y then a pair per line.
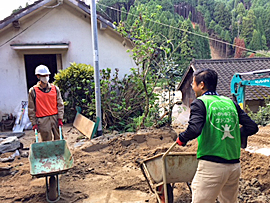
x,y
96,64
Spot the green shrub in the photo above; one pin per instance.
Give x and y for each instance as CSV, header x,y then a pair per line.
x,y
76,84
262,116
122,100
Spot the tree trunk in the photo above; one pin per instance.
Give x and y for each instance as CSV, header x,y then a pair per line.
x,y
145,113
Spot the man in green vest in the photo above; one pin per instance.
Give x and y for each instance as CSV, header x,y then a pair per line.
x,y
214,121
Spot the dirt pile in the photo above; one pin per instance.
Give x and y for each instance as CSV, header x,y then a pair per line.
x,y
106,170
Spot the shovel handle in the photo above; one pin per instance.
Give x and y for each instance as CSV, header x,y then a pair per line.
x,y
36,135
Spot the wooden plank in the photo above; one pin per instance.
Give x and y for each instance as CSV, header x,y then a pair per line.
x,y
84,125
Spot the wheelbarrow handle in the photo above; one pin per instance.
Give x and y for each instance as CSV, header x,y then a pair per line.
x,y
167,152
164,171
60,132
36,135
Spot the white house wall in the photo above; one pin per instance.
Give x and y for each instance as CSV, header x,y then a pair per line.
x,y
61,24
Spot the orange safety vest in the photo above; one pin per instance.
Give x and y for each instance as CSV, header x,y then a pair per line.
x,y
46,102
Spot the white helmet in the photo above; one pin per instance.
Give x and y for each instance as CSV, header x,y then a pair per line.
x,y
42,70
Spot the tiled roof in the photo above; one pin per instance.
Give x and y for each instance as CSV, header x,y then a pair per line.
x,y
226,68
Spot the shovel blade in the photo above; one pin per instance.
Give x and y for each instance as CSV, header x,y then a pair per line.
x,y
18,128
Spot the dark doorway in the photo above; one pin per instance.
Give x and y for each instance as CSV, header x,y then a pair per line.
x,y
32,61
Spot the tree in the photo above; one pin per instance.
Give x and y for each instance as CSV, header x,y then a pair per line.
x,y
264,45
227,37
144,53
198,44
222,34
157,46
154,53
240,10
212,25
221,15
259,11
187,43
266,23
239,47
172,31
206,48
207,18
248,26
218,29
201,45
206,5
123,14
260,27
256,43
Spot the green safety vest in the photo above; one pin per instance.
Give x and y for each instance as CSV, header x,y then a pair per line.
x,y
221,133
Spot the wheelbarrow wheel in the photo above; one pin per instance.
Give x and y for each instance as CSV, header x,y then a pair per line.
x,y
162,194
52,188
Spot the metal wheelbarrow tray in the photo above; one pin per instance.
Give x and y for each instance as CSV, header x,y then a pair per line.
x,y
49,158
170,167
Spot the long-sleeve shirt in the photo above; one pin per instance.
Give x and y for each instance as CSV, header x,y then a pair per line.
x,y
32,103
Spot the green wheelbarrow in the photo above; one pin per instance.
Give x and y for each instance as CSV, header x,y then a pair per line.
x,y
49,159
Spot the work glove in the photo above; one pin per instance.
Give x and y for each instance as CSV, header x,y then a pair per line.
x,y
35,127
178,141
60,122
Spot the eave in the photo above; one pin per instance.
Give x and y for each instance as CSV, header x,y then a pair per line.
x,y
40,46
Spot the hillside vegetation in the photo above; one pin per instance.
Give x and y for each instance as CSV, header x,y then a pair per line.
x,y
245,23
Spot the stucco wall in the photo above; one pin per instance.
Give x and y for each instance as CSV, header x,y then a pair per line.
x,y
61,24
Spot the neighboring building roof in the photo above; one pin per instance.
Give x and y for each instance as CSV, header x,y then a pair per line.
x,y
226,68
40,3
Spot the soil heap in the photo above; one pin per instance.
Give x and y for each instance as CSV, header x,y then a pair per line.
x,y
106,169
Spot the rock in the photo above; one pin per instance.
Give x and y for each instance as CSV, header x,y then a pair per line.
x,y
11,157
4,171
255,182
24,154
10,144
139,138
115,132
261,199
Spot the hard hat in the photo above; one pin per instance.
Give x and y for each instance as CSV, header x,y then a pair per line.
x,y
42,70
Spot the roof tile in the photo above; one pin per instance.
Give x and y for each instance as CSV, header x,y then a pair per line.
x,y
226,69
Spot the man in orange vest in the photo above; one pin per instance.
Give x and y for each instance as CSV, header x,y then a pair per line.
x,y
45,106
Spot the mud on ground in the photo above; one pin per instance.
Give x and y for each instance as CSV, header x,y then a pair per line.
x,y
106,169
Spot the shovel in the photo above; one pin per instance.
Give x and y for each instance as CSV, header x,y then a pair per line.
x,y
19,126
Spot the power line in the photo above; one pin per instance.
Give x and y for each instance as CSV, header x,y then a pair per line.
x,y
183,30
105,13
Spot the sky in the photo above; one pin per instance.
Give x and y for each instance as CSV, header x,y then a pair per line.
x,y
7,6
